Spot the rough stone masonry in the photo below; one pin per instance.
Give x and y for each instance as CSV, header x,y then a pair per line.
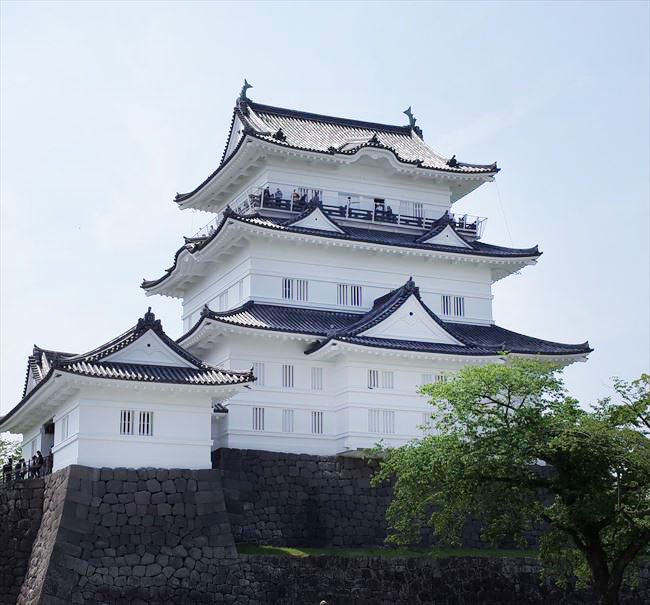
x,y
150,536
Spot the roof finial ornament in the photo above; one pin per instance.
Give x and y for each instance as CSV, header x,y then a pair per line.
x,y
244,88
452,162
411,117
148,322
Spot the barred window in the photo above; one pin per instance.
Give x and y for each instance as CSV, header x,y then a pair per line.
x,y
389,422
317,423
348,295
433,378
145,424
373,379
295,289
258,419
453,305
64,428
126,422
258,372
287,376
374,424
287,421
223,301
387,379
317,379
381,421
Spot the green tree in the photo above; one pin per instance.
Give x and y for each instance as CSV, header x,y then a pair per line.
x,y
491,428
9,448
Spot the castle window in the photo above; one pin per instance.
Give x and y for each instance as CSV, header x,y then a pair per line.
x,y
387,379
381,421
317,379
317,423
258,372
374,421
373,379
287,376
295,289
126,422
348,295
426,423
433,378
453,305
258,419
389,422
287,421
145,424
223,301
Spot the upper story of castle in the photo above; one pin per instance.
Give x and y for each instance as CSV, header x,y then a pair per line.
x,y
327,212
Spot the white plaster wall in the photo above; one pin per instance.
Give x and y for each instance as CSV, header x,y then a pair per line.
x,y
261,264
344,400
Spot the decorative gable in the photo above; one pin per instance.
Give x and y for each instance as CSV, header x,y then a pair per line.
x,y
411,322
317,219
149,349
447,237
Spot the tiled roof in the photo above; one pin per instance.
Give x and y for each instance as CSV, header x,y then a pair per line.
x,y
43,362
335,136
344,326
359,234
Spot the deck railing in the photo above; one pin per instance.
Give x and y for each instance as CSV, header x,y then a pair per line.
x,y
21,469
471,226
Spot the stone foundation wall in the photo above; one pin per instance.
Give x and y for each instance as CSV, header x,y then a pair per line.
x,y
21,510
289,499
154,536
302,500
396,581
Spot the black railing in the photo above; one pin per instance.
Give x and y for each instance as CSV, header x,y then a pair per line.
x,y
377,215
21,469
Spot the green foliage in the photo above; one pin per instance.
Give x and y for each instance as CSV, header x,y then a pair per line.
x,y
492,426
9,448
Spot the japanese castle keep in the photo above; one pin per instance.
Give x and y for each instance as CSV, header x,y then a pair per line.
x,y
332,282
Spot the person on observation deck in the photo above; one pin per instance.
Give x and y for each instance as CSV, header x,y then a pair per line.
x,y
278,194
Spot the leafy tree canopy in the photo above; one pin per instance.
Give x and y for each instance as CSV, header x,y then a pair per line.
x,y
9,448
510,448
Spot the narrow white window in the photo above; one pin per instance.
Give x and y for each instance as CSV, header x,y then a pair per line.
x,y
317,423
356,296
348,295
258,419
373,379
389,422
126,422
287,288
64,428
342,294
287,376
302,289
223,301
287,421
446,304
418,209
145,424
373,421
433,378
258,372
387,379
33,448
317,379
459,306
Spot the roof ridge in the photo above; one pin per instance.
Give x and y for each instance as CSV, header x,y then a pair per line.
x,y
318,117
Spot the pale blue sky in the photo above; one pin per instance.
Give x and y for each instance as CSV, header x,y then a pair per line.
x,y
108,109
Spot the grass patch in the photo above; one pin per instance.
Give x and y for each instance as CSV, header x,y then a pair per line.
x,y
299,551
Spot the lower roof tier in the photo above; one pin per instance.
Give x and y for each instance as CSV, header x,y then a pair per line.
x,y
365,329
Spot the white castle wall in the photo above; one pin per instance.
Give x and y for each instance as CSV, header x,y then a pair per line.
x,y
261,265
